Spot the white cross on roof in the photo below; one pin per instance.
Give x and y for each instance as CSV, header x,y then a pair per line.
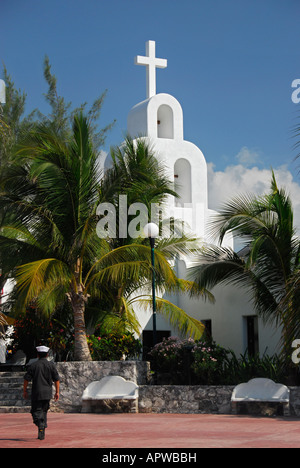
x,y
151,63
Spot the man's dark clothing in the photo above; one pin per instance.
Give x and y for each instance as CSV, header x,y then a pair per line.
x,y
42,373
39,410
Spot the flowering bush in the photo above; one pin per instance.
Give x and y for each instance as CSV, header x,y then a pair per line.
x,y
170,356
33,328
61,340
30,329
208,362
184,362
188,361
113,346
167,354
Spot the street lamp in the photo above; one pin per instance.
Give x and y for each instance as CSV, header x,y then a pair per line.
x,y
151,231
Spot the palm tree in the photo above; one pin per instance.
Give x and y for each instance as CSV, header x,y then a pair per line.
x,y
136,172
50,194
268,264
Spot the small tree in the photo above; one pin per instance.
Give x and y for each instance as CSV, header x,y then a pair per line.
x,y
269,266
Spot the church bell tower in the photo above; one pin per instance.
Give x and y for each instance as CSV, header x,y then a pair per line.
x,y
160,119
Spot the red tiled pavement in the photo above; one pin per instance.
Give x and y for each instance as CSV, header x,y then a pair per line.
x,y
150,431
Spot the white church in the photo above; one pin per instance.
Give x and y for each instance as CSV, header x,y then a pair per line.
x,y
231,320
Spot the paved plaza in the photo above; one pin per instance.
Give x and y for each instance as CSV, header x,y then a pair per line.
x,y
150,431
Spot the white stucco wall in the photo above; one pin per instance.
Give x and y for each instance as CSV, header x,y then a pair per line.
x,y
160,119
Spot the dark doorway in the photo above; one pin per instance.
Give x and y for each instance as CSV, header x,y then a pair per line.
x,y
252,335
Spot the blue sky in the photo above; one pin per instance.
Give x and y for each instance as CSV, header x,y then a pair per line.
x,y
230,65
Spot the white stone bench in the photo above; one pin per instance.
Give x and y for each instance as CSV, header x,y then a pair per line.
x,y
16,362
261,390
109,388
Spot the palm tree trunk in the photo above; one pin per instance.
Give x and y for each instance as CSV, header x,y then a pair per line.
x,y
81,349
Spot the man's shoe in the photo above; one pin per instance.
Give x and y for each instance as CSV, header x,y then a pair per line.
x,y
41,434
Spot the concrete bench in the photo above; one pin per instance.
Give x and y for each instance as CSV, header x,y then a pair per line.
x,y
107,389
262,391
16,362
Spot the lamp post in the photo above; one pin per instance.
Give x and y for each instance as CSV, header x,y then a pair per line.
x,y
151,231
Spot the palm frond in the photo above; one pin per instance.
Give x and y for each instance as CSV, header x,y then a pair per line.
x,y
174,246
239,216
133,262
218,264
177,317
32,277
129,318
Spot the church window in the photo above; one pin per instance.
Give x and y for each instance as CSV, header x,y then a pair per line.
x,y
165,125
252,334
208,328
183,181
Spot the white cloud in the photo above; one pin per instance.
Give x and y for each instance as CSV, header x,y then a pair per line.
x,y
238,180
248,157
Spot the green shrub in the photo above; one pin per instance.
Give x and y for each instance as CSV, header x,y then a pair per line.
x,y
200,362
168,357
245,367
208,363
30,329
114,346
33,328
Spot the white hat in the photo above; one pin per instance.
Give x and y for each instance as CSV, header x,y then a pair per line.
x,y
42,349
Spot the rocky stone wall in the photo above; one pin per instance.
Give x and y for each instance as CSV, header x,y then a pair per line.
x,y
207,399
76,376
295,401
185,399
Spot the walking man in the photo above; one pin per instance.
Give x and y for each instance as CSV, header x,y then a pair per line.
x,y
42,373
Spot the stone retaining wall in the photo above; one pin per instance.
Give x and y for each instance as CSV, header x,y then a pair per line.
x,y
75,377
295,401
207,400
185,399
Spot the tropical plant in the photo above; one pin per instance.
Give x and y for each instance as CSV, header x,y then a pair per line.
x,y
14,124
51,191
113,346
208,362
202,362
3,322
50,194
245,367
30,329
4,128
137,174
169,359
269,263
12,121
62,115
182,361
